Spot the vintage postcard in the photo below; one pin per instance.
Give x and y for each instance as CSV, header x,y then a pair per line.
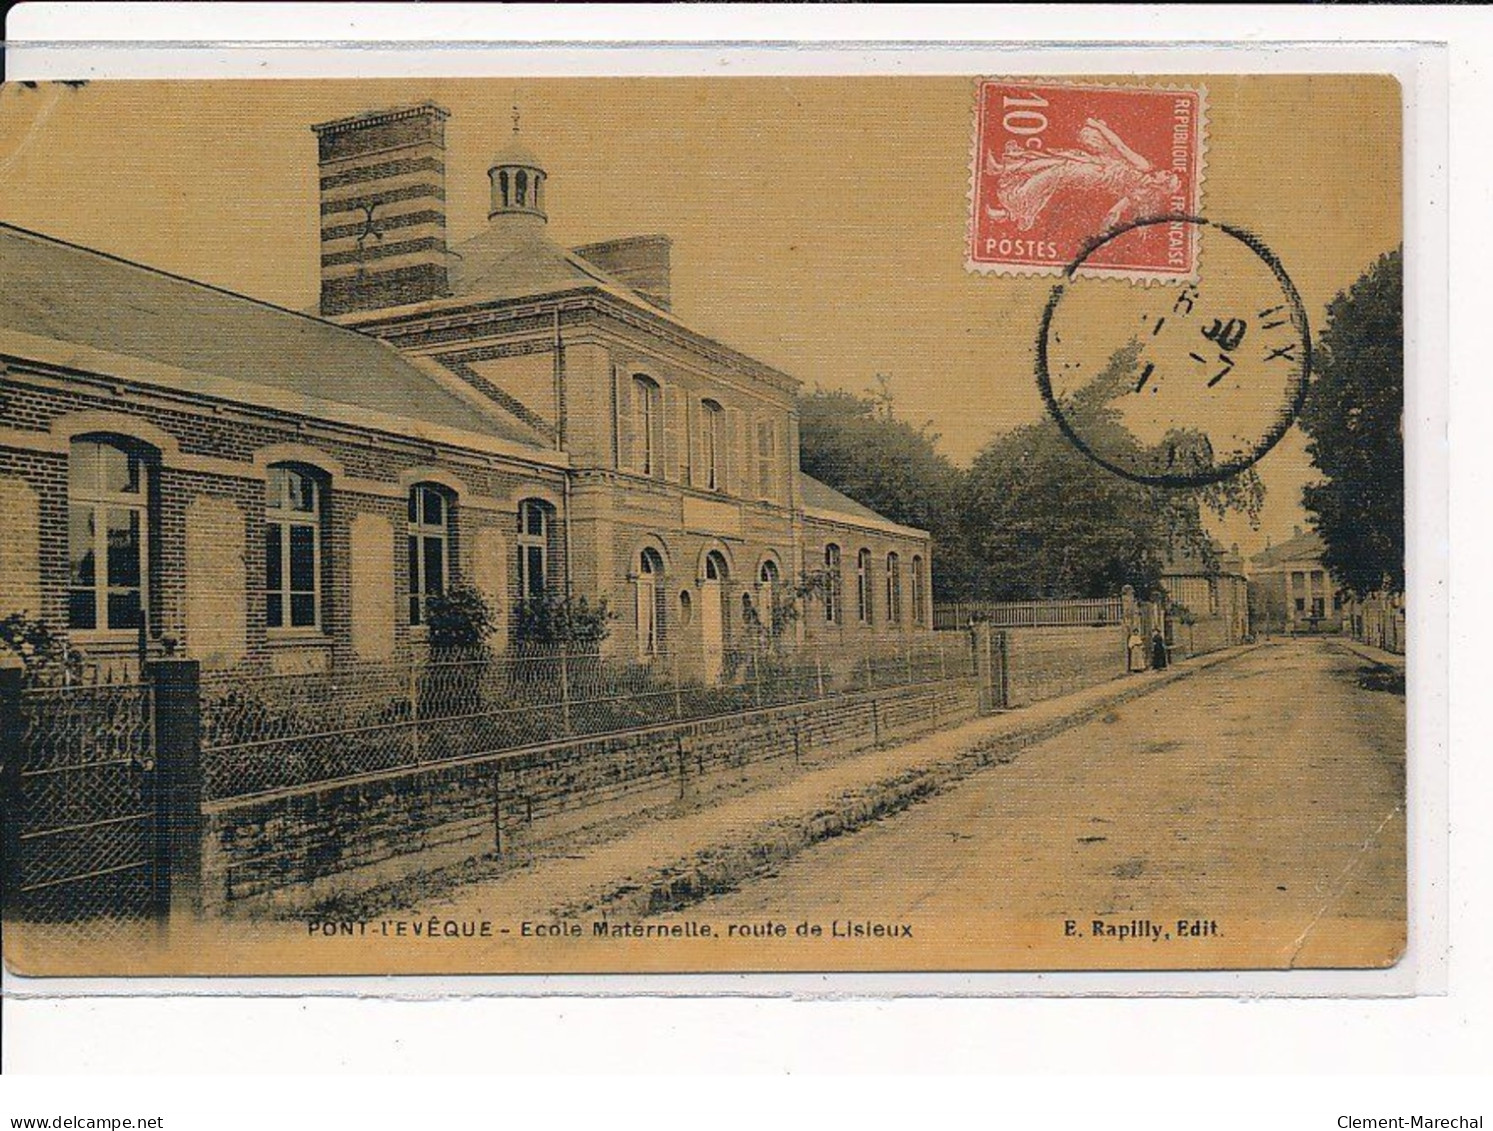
x,y
703,524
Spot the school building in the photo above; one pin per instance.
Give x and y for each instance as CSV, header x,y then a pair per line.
x,y
189,471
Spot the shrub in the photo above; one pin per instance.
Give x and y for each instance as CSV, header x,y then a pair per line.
x,y
460,620
43,653
572,621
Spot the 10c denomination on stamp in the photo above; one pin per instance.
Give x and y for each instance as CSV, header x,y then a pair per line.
x,y
1056,166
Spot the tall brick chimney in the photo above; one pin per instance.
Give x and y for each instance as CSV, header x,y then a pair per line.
x,y
383,208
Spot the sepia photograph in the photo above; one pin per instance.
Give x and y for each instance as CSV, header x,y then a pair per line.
x,y
674,525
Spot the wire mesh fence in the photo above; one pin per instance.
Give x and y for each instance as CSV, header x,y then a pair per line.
x,y
80,843
268,732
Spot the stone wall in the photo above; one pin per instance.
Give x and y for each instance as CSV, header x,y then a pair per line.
x,y
302,846
1045,662
1206,634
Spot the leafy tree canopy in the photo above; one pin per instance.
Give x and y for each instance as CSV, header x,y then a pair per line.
x,y
1043,520
860,447
1034,517
1355,420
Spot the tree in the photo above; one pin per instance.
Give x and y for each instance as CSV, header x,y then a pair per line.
x,y
1043,520
860,447
1355,418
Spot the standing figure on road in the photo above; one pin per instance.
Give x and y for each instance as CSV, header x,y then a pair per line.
x,y
1135,650
1158,650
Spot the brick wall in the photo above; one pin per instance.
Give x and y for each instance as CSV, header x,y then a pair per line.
x,y
33,517
1047,662
307,846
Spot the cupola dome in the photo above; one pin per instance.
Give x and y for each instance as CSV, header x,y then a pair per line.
x,y
517,178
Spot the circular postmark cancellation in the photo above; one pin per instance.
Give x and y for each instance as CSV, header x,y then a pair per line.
x,y
1176,386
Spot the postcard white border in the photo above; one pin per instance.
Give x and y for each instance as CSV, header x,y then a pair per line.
x,y
1423,71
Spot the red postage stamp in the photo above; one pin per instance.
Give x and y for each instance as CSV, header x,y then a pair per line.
x,y
1057,165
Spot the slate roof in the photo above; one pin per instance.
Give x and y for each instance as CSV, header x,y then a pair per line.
x,y
61,292
513,258
1303,547
819,496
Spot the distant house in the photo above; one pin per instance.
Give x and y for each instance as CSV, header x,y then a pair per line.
x,y
1215,598
1295,593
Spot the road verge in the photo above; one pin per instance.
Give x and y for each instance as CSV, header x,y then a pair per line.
x,y
927,766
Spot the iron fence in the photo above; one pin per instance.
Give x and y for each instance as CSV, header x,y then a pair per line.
x,y
267,732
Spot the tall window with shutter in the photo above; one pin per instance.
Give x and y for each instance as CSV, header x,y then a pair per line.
x,y
713,445
767,459
893,589
295,503
429,546
534,518
863,586
108,519
833,587
647,438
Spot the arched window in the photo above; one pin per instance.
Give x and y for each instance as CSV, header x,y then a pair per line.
x,y
108,533
893,589
520,188
767,585
534,520
650,604
833,584
429,546
295,501
646,421
503,186
863,586
713,441
919,592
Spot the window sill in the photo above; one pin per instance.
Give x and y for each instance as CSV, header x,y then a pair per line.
x,y
295,637
108,640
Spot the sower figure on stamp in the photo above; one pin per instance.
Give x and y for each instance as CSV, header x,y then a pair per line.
x,y
1028,179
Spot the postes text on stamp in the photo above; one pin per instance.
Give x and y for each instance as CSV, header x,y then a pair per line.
x,y
1057,166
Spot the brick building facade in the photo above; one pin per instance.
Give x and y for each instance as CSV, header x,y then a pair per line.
x,y
185,469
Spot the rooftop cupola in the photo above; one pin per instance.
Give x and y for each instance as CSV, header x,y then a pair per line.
x,y
517,181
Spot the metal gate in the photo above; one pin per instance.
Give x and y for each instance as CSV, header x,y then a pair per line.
x,y
81,840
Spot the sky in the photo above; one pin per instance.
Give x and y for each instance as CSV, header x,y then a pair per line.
x,y
817,224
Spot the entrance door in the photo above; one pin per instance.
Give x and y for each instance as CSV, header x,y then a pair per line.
x,y
713,618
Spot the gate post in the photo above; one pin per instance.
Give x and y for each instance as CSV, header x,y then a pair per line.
x,y
12,727
178,793
979,638
1003,687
